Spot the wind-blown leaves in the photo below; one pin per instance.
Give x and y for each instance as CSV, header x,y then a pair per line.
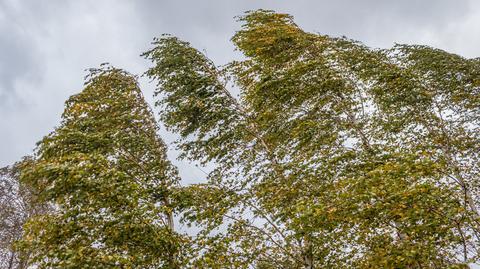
x,y
335,155
105,170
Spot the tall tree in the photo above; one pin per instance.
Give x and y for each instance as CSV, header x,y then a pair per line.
x,y
105,170
334,155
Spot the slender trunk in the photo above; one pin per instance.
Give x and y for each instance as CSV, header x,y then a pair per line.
x,y
10,262
172,261
308,253
170,223
368,148
451,160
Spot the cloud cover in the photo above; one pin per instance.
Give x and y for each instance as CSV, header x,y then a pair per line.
x,y
45,47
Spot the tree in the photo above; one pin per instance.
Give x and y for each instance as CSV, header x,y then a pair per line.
x,y
105,170
334,155
17,204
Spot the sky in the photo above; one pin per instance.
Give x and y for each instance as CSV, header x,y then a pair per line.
x,y
46,46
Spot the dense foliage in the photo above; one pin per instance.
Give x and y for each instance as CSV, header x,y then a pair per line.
x,y
332,155
105,170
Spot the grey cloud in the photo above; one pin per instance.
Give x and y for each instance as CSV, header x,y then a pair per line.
x,y
17,58
209,24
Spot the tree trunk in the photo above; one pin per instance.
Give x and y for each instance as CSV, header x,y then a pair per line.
x,y
10,262
172,262
308,254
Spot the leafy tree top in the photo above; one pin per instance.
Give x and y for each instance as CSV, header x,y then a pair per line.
x,y
105,170
333,155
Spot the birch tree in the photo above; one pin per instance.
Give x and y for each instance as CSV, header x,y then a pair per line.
x,y
333,155
105,170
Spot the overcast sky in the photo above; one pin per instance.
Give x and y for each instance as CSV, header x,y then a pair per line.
x,y
45,46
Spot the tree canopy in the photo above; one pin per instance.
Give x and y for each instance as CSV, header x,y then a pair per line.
x,y
105,170
332,155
